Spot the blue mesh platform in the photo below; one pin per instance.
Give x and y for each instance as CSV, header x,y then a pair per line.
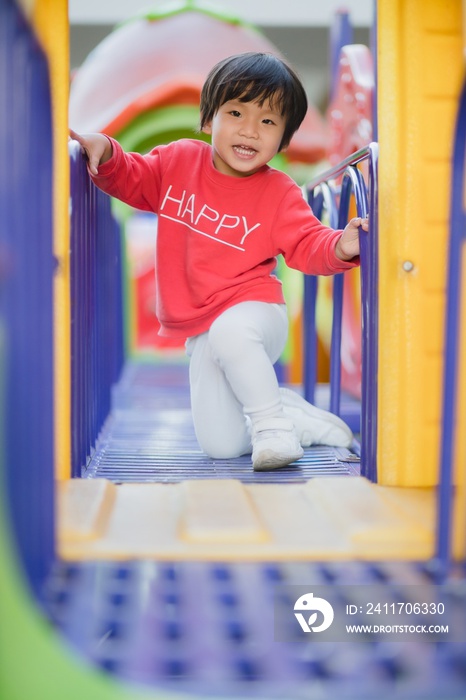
x,y
149,436
207,630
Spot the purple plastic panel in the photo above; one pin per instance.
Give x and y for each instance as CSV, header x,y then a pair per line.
x,y
26,294
455,279
96,308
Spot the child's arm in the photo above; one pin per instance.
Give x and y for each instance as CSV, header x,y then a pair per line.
x,y
133,178
348,244
97,148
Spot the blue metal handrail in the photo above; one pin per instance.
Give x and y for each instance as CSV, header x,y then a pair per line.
x,y
455,277
96,309
323,194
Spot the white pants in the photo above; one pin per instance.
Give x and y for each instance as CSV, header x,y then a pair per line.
x,y
232,376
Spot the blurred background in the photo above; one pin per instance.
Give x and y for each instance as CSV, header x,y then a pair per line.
x,y
298,28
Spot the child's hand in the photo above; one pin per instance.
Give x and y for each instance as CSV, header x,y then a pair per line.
x,y
96,147
348,244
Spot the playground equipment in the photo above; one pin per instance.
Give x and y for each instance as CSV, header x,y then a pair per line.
x,y
162,628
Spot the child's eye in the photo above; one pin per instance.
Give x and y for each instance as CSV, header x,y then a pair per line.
x,y
235,113
268,121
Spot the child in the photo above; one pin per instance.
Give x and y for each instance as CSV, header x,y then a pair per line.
x,y
223,217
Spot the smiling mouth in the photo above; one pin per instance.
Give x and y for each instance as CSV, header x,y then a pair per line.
x,y
244,151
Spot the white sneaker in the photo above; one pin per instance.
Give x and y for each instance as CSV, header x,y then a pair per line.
x,y
313,425
274,444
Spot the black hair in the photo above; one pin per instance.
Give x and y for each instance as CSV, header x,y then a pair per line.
x,y
255,77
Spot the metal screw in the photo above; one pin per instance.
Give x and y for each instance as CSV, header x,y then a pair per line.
x,y
408,266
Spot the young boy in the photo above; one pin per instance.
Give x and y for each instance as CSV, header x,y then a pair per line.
x,y
223,217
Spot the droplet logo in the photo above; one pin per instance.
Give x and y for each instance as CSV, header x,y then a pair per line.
x,y
312,605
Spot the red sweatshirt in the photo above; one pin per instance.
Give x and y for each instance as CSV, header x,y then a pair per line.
x,y
218,236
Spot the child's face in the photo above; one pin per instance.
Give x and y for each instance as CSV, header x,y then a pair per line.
x,y
245,136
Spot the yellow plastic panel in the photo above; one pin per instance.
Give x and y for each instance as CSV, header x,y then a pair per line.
x,y
219,511
50,19
84,507
420,68
322,519
368,516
